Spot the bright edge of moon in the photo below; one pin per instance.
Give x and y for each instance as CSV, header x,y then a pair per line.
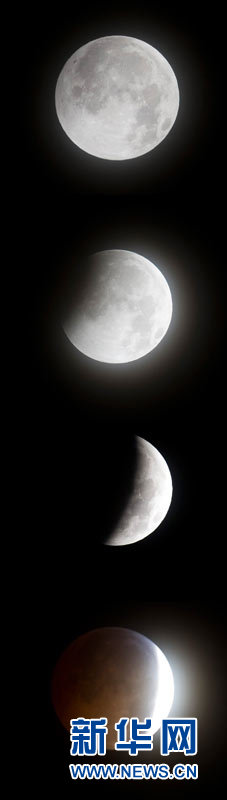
x,y
165,695
150,498
124,310
117,97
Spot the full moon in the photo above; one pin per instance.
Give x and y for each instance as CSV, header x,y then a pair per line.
x,y
150,499
117,97
113,673
124,310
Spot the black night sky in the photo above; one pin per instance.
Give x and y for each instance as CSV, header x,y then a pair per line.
x,y
80,416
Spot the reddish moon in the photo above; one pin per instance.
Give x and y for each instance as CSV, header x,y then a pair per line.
x,y
113,673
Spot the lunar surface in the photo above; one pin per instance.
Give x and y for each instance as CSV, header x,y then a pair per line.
x,y
150,498
117,97
113,673
124,310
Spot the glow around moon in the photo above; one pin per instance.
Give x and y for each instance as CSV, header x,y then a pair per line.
x,y
113,673
124,310
150,499
117,97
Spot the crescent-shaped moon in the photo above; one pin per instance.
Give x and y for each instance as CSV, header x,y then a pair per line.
x,y
150,498
117,97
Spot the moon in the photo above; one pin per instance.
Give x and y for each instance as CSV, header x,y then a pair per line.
x,y
123,311
117,97
113,673
150,498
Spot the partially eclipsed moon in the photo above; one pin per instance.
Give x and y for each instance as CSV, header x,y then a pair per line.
x,y
150,498
125,310
113,673
117,97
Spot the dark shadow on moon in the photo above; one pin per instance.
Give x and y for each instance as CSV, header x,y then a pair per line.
x,y
110,668
86,480
75,284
